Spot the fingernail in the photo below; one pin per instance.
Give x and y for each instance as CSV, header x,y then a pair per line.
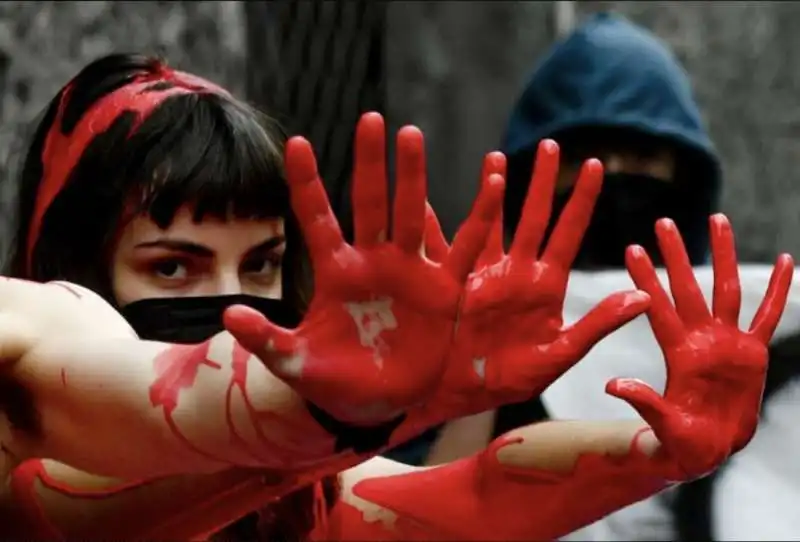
x,y
549,146
636,251
372,116
636,297
409,130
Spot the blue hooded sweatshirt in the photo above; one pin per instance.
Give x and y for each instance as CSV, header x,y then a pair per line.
x,y
607,73
611,73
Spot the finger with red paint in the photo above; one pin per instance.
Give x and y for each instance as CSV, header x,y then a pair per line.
x,y
769,312
511,341
369,192
436,247
411,190
378,329
494,163
727,294
715,371
538,203
565,241
309,201
492,181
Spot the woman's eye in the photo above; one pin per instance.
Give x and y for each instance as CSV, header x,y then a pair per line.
x,y
170,269
261,266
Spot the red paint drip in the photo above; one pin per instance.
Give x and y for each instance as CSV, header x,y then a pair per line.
x,y
239,359
176,370
23,489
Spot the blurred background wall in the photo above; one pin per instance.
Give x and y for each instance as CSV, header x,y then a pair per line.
x,y
453,68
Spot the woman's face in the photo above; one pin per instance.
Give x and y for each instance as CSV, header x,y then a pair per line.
x,y
208,258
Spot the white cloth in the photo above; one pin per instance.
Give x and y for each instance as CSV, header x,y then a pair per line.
x,y
757,497
633,352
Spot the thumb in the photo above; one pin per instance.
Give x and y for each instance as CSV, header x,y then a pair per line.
x,y
606,317
650,405
275,346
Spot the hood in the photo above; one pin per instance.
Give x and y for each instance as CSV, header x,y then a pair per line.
x,y
611,73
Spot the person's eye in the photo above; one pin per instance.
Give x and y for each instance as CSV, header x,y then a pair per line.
x,y
262,265
170,269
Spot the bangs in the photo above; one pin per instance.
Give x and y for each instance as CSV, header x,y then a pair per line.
x,y
221,158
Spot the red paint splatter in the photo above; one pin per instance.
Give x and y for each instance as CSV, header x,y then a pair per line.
x,y
22,484
176,370
239,359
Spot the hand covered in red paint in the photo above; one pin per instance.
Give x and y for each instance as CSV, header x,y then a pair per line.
x,y
376,334
511,341
715,371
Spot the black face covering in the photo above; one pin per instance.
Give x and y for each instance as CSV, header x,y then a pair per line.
x,y
192,320
625,214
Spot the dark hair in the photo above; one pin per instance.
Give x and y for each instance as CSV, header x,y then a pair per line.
x,y
203,148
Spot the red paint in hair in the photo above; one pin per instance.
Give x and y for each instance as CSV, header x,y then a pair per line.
x,y
61,152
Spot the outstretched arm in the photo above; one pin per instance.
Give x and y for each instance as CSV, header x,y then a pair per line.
x,y
190,408
535,483
370,350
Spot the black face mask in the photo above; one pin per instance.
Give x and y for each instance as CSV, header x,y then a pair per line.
x,y
192,320
625,214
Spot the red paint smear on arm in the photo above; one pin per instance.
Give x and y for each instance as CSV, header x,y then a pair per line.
x,y
34,522
478,498
240,358
176,370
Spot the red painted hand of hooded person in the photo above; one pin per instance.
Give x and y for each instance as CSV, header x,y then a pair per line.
x,y
715,371
511,341
374,340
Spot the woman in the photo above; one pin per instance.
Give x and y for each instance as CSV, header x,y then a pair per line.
x,y
568,457
173,150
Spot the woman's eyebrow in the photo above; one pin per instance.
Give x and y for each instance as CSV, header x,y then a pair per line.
x,y
179,245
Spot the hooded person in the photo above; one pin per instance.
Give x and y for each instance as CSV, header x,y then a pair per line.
x,y
614,91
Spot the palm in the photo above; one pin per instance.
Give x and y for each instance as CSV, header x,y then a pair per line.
x,y
715,371
518,323
374,339
386,324
511,342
